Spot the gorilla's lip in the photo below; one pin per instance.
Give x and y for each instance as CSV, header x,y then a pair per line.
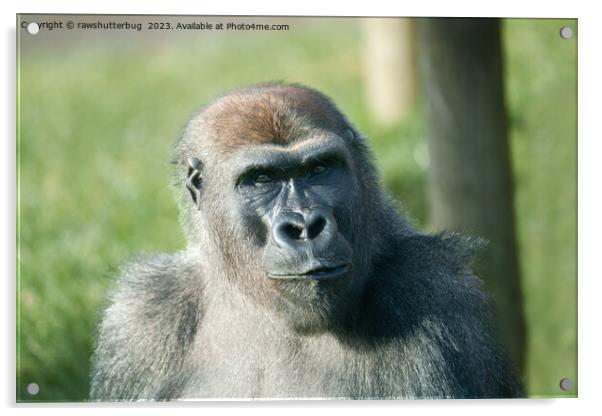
x,y
318,273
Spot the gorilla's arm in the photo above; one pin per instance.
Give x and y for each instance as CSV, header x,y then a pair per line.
x,y
150,320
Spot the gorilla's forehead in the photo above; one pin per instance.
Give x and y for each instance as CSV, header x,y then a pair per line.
x,y
269,114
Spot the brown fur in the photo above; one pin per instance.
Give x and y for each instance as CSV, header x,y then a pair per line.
x,y
273,114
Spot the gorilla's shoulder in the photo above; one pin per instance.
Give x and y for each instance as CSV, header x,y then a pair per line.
x,y
430,275
151,318
162,291
426,257
440,265
450,251
432,259
158,275
425,290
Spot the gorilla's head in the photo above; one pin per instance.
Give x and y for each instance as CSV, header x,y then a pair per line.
x,y
280,196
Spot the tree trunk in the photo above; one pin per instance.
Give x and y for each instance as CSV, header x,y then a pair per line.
x,y
470,174
389,67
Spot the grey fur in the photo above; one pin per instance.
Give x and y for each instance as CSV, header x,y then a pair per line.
x,y
200,323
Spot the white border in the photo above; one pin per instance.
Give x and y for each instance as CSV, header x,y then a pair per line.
x,y
590,206
508,8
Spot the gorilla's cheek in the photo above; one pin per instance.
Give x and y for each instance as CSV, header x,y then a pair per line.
x,y
255,230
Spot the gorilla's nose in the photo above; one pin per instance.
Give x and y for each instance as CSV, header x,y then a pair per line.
x,y
292,228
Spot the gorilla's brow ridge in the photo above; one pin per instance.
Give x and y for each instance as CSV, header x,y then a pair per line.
x,y
272,157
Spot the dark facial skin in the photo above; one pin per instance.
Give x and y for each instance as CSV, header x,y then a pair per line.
x,y
296,203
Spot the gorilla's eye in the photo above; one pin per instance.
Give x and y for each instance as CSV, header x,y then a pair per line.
x,y
263,178
318,169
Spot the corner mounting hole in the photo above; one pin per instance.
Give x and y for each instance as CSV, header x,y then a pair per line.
x,y
33,389
566,384
33,28
566,32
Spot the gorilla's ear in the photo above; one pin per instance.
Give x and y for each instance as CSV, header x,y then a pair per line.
x,y
194,180
352,134
349,134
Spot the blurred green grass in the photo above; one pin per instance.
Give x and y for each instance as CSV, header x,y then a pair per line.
x,y
96,129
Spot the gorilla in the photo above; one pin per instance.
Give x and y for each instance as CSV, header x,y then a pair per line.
x,y
300,278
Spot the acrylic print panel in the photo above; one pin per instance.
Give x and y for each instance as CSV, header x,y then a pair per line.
x,y
302,248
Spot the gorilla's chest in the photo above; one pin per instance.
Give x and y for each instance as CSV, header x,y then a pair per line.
x,y
318,367
255,367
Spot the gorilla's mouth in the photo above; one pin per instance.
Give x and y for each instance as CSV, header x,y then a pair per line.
x,y
319,273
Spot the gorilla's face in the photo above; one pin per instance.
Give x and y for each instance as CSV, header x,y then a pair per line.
x,y
281,189
296,204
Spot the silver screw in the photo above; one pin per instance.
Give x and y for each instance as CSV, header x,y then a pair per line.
x,y
566,384
33,28
566,32
33,389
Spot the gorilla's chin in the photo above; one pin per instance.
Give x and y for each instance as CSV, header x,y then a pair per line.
x,y
315,304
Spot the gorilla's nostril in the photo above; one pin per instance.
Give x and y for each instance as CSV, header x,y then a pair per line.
x,y
293,231
293,227
315,228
